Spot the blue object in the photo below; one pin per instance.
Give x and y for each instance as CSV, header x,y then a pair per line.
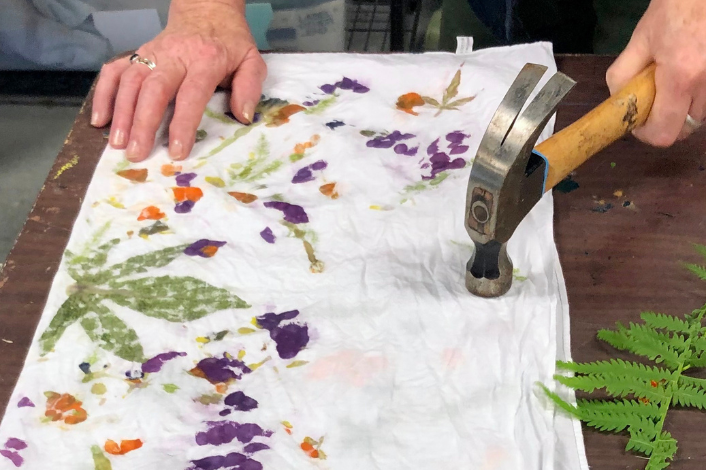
x,y
546,170
259,17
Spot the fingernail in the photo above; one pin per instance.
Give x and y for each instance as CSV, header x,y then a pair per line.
x,y
176,149
118,138
132,150
248,111
94,119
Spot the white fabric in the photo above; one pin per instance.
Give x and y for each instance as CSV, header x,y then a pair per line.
x,y
405,369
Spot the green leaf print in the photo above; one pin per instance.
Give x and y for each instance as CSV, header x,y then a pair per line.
x,y
73,308
100,461
176,299
171,298
109,332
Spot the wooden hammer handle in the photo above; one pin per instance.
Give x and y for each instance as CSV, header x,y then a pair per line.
x,y
611,120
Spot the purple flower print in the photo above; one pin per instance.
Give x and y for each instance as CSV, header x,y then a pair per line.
x,y
255,447
224,432
387,141
290,339
185,179
402,149
441,162
306,174
240,401
220,370
458,149
433,148
14,457
310,103
203,248
456,137
232,461
184,207
292,213
25,403
16,444
155,364
269,321
267,235
345,84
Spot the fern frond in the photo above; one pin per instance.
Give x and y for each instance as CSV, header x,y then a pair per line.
x,y
643,341
685,380
618,367
688,395
641,441
561,403
697,360
648,410
700,271
607,421
665,322
617,386
698,344
665,447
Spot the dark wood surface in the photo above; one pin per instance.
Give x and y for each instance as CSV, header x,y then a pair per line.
x,y
616,263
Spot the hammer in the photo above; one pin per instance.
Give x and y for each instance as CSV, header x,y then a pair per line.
x,y
510,174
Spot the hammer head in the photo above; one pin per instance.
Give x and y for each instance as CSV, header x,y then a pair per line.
x,y
508,176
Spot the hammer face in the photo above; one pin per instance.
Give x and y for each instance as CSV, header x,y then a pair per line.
x,y
489,271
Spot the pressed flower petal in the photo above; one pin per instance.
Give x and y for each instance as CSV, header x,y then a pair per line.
x,y
245,198
135,175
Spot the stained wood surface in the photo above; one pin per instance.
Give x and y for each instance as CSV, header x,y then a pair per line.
x,y
617,262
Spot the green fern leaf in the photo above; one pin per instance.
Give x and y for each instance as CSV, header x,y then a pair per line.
x,y
617,386
641,441
688,395
568,407
665,447
616,422
700,271
648,410
667,322
685,380
697,360
618,367
699,344
643,341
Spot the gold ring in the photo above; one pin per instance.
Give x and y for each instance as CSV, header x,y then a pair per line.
x,y
136,59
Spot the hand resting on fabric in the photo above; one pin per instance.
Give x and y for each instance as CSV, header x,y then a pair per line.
x,y
206,43
672,33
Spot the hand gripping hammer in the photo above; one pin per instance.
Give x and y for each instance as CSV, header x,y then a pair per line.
x,y
510,174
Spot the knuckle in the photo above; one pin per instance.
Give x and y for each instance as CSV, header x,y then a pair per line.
x,y
211,50
130,80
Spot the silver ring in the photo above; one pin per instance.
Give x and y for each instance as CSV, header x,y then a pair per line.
x,y
136,59
692,123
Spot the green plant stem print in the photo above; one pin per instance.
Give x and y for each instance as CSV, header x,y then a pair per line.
x,y
99,285
641,395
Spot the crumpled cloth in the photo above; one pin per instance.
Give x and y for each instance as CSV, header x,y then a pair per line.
x,y
292,296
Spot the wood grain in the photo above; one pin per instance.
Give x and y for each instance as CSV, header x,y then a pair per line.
x,y
616,263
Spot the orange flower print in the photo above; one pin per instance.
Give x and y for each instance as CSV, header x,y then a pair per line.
x,y
312,448
170,169
187,194
125,446
137,176
329,190
283,115
64,407
151,213
245,198
408,101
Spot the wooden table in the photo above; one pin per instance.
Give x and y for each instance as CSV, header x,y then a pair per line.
x,y
616,263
